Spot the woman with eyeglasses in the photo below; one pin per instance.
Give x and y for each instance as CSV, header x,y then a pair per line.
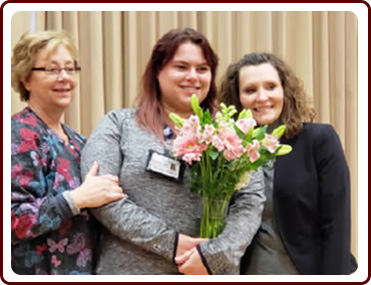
x,y
52,231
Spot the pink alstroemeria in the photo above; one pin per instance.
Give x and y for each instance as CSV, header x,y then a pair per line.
x,y
217,141
253,151
207,135
245,125
233,153
234,148
270,142
226,139
191,126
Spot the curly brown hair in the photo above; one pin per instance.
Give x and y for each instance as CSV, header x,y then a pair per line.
x,y
296,109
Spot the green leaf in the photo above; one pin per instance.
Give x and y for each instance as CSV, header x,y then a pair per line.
x,y
249,135
284,149
213,154
279,131
242,114
207,118
248,114
255,131
240,133
260,133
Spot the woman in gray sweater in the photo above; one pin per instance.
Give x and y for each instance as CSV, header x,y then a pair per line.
x,y
155,229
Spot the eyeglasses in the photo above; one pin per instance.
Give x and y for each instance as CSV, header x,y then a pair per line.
x,y
55,70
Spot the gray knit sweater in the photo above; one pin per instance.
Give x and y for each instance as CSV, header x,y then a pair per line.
x,y
142,229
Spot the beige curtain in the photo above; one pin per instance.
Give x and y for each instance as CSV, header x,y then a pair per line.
x,y
115,46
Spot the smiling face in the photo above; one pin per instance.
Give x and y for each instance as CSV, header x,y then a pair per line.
x,y
185,74
261,91
51,92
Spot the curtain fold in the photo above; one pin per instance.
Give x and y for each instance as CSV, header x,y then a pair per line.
x,y
321,68
114,47
113,60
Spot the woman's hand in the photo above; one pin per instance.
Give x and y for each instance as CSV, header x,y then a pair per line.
x,y
190,263
96,191
186,243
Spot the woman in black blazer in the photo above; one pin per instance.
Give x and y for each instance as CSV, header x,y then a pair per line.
x,y
306,221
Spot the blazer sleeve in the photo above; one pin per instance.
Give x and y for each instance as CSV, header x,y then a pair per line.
x,y
223,253
123,218
334,189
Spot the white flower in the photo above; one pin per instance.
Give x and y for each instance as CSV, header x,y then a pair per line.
x,y
244,180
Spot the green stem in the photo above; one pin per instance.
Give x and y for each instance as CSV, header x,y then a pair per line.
x,y
215,200
213,217
208,168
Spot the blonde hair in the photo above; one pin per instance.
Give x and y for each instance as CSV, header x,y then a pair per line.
x,y
25,52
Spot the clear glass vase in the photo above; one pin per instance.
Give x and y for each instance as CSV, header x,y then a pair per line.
x,y
213,216
215,199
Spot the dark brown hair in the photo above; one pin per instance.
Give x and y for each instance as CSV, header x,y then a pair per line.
x,y
296,109
151,114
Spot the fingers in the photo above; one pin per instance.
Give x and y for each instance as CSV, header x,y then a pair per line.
x,y
113,197
106,196
195,241
193,265
108,180
184,257
186,243
116,196
198,240
111,177
93,171
115,193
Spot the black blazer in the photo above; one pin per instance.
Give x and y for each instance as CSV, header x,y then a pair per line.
x,y
312,203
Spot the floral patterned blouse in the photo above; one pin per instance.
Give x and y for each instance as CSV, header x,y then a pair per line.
x,y
48,235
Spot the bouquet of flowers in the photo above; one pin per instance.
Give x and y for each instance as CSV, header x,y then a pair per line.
x,y
222,153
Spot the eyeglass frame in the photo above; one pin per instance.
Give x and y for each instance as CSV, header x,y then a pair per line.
x,y
75,68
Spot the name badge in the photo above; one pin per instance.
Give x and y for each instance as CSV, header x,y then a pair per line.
x,y
165,165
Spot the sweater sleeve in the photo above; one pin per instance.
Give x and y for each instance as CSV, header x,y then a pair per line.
x,y
334,187
35,210
124,218
223,253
